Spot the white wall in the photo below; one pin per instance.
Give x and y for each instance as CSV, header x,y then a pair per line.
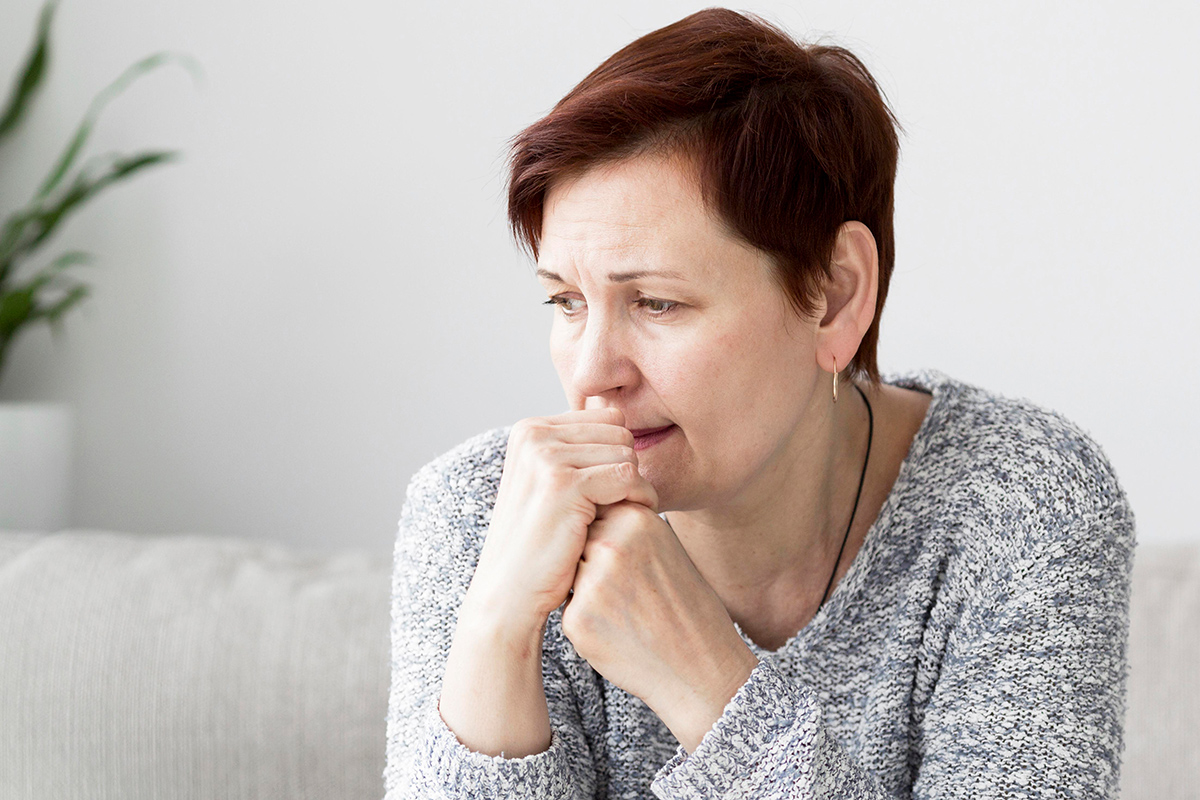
x,y
322,295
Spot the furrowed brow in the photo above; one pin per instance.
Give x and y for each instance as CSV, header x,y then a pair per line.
x,y
619,277
626,277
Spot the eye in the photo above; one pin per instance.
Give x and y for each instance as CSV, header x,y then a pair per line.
x,y
655,306
569,305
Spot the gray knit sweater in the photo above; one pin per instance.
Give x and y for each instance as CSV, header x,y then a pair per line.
x,y
975,648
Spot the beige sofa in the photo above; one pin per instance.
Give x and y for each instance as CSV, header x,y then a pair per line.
x,y
191,667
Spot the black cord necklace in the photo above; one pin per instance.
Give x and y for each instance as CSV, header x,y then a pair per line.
x,y
870,435
853,511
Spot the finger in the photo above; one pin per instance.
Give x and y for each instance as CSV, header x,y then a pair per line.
x,y
537,431
624,509
582,456
593,433
610,416
611,483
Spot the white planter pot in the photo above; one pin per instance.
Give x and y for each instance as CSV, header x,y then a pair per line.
x,y
36,449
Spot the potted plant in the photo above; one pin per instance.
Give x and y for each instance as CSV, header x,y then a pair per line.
x,y
36,438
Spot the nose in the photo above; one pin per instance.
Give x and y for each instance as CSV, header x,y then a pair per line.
x,y
603,366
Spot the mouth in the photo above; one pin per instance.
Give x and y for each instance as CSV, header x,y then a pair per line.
x,y
648,437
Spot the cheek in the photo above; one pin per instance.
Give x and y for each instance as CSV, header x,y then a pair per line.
x,y
742,387
722,366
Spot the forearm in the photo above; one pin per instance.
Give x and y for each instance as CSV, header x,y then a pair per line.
x,y
690,708
493,697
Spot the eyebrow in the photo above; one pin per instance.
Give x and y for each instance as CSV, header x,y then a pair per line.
x,y
620,277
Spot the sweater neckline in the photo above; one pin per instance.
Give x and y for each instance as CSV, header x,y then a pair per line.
x,y
940,387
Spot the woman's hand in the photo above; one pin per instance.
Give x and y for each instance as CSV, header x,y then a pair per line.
x,y
557,471
645,619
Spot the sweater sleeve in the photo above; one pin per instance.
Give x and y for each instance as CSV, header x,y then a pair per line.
x,y
1029,701
1031,697
441,530
769,744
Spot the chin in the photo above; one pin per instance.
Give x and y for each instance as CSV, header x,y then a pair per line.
x,y
662,486
672,494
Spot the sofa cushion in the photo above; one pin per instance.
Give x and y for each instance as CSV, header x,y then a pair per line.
x,y
171,667
193,667
1162,721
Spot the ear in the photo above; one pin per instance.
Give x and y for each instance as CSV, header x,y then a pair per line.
x,y
850,293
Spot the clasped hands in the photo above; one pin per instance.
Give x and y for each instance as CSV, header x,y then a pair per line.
x,y
575,523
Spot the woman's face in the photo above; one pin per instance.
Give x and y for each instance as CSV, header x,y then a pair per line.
x,y
665,315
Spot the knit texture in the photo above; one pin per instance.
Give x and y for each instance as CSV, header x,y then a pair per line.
x,y
975,648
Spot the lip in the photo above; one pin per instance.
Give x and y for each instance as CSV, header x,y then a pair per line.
x,y
648,437
648,431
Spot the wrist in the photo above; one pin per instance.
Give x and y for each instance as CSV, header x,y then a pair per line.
x,y
492,696
499,618
694,706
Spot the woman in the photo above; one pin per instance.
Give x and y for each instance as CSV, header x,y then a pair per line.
x,y
742,564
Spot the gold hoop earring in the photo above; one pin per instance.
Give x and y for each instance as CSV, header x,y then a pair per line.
x,y
835,378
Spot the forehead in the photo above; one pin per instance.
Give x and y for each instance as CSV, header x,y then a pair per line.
x,y
646,211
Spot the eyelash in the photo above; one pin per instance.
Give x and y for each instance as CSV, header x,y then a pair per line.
x,y
645,302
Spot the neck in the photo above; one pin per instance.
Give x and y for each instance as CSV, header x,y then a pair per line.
x,y
774,546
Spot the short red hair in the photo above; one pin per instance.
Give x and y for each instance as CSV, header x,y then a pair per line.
x,y
789,140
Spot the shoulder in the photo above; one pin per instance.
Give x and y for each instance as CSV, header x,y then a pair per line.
x,y
1014,472
448,503
467,474
1042,460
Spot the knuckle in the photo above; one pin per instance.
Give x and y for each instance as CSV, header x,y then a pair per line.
x,y
626,512
606,550
624,545
522,425
519,433
559,478
530,426
515,435
547,457
626,471
548,451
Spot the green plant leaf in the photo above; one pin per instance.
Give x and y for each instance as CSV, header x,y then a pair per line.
x,y
10,239
16,308
54,312
29,228
85,188
19,308
31,75
25,230
65,260
106,95
54,269
20,305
